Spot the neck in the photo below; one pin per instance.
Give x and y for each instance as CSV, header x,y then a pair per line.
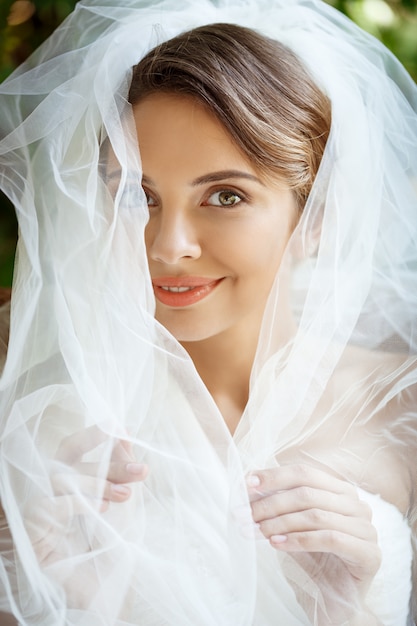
x,y
224,361
224,365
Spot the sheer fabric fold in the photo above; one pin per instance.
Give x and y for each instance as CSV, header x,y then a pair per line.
x,y
89,371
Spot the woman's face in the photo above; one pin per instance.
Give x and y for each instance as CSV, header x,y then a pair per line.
x,y
216,231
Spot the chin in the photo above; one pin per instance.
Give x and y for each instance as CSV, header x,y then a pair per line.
x,y
186,332
190,336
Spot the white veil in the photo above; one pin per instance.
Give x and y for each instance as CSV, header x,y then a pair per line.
x,y
87,360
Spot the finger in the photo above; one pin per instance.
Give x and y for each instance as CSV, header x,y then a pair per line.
x,y
123,451
125,467
284,477
55,512
84,486
308,498
76,445
115,472
127,472
48,524
363,558
317,519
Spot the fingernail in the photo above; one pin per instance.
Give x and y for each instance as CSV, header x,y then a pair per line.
x,y
253,480
135,468
279,539
120,490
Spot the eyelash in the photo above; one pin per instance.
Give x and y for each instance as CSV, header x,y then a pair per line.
x,y
149,196
240,198
231,192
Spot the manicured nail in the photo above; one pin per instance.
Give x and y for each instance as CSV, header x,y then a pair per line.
x,y
279,539
135,468
120,490
253,480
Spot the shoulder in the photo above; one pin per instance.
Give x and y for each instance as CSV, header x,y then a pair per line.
x,y
373,441
373,362
386,384
387,380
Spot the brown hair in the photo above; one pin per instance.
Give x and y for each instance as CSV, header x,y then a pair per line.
x,y
256,87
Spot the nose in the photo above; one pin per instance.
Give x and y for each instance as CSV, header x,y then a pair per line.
x,y
172,236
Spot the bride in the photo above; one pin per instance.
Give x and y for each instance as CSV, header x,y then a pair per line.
x,y
209,397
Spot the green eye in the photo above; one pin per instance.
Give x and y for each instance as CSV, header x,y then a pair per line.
x,y
224,198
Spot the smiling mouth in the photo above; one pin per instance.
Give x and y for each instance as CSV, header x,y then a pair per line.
x,y
180,294
177,289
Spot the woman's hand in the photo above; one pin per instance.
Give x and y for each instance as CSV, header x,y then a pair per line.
x,y
122,469
79,491
301,509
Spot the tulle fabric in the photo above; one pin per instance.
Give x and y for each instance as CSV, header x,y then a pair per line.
x,y
87,360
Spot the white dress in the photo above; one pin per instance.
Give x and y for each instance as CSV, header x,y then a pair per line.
x,y
388,597
390,592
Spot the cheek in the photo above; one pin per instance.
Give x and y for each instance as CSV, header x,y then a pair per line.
x,y
149,235
263,249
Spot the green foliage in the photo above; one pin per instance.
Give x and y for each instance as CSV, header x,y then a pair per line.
x,y
25,24
394,22
18,40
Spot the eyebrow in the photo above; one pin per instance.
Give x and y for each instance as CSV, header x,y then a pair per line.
x,y
215,177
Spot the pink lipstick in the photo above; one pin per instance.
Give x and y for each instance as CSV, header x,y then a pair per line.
x,y
182,291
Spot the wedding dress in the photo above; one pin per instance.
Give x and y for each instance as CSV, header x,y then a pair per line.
x,y
391,588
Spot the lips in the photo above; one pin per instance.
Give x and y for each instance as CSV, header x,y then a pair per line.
x,y
183,291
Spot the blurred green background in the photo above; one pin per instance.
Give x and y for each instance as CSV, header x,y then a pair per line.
x,y
24,24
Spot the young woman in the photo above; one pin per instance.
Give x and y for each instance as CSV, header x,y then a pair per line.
x,y
209,396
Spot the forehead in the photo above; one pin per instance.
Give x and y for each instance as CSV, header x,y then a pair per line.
x,y
165,113
180,128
